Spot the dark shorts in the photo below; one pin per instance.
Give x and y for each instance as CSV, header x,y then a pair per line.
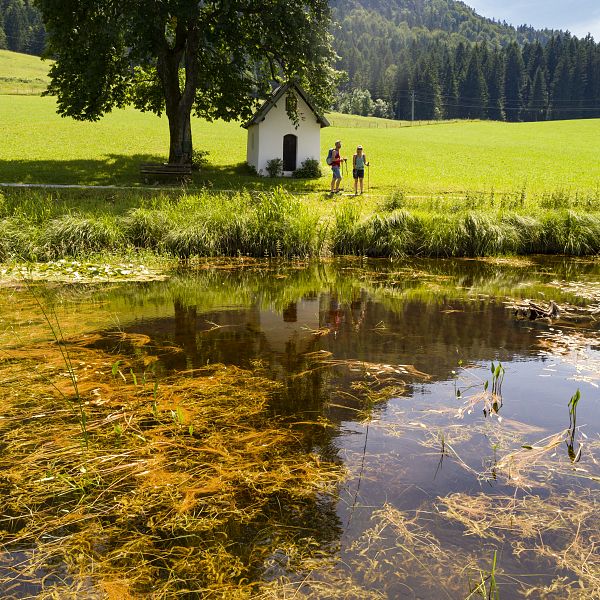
x,y
358,173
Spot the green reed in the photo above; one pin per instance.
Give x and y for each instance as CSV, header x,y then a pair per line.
x,y
276,223
487,587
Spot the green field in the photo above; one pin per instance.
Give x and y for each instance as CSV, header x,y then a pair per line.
x,y
22,73
41,147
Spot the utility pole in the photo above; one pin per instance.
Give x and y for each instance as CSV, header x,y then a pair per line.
x,y
412,100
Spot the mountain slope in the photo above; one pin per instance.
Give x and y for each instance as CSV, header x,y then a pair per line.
x,y
371,34
442,16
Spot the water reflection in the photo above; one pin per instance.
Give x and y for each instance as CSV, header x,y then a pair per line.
x,y
366,355
432,315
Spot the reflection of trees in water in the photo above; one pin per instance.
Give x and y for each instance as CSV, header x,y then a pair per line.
x,y
362,314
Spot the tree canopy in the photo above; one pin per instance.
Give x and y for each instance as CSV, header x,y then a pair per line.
x,y
210,57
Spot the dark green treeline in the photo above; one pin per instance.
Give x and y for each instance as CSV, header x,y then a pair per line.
x,y
21,27
533,82
460,65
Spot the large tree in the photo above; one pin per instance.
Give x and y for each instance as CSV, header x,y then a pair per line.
x,y
209,57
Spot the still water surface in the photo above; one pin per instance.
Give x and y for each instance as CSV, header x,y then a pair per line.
x,y
398,356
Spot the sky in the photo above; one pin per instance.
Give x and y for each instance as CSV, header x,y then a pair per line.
x,y
578,16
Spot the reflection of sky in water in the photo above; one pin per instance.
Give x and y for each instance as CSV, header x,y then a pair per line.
x,y
434,320
535,405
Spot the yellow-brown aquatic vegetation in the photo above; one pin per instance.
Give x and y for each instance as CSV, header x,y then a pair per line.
x,y
563,530
185,488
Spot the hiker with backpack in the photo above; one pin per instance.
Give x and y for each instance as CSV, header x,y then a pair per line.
x,y
334,160
359,162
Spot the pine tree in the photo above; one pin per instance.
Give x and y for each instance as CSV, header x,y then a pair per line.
x,y
594,81
514,83
3,45
401,96
449,89
495,83
561,89
37,40
538,101
536,59
428,91
553,52
473,90
579,82
15,27
461,61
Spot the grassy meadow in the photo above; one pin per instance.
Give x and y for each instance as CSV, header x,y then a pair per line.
x,y
22,73
455,157
434,189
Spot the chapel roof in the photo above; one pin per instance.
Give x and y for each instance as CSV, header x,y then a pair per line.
x,y
272,100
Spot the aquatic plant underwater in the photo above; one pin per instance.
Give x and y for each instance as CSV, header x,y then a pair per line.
x,y
123,479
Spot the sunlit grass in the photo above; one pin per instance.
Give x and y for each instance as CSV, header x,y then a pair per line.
x,y
454,157
47,225
22,73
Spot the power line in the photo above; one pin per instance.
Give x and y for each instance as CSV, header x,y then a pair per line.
x,y
525,107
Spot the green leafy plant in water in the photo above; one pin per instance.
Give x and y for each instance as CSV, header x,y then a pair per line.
x,y
487,588
178,416
498,372
575,456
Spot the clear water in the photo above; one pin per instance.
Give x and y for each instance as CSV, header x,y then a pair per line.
x,y
337,333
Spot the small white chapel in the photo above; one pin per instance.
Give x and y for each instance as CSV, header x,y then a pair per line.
x,y
272,134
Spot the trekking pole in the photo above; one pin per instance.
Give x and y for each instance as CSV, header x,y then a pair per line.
x,y
368,178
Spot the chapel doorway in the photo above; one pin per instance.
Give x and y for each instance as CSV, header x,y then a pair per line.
x,y
290,151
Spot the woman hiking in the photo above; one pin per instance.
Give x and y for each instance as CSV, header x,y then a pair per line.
x,y
359,162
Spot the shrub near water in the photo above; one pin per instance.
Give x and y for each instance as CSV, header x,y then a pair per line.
x,y
571,233
17,240
146,228
74,235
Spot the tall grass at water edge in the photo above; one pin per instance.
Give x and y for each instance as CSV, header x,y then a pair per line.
x,y
35,226
267,224
465,234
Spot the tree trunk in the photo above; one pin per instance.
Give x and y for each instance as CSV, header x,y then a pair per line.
x,y
180,134
179,102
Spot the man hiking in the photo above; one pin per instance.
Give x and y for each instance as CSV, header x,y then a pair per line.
x,y
336,161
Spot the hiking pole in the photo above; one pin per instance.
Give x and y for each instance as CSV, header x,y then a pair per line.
x,y
368,178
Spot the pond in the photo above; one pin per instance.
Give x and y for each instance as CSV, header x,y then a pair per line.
x,y
344,429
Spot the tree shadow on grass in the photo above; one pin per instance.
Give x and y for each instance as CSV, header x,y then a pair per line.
x,y
112,169
239,176
124,170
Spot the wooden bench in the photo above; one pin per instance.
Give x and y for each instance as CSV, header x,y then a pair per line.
x,y
153,173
